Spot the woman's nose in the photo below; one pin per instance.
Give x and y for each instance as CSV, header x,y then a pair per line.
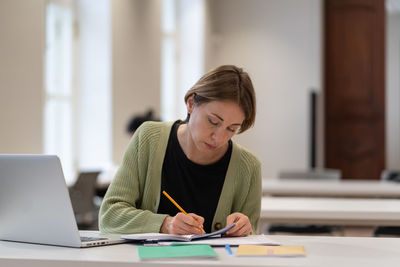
x,y
219,135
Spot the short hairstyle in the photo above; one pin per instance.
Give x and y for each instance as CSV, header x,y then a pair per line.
x,y
227,82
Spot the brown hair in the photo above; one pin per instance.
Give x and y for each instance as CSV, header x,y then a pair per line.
x,y
227,82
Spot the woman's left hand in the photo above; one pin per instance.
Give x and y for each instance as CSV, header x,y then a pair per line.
x,y
242,227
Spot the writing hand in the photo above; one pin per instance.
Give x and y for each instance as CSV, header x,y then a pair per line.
x,y
183,224
242,227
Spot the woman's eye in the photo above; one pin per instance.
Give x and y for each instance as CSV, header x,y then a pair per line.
x,y
215,123
232,130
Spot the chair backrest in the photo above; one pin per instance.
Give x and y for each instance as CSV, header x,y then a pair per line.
x,y
83,191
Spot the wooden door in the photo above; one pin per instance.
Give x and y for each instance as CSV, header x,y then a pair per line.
x,y
354,87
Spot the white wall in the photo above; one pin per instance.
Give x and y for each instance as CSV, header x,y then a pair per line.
x,y
21,76
279,43
135,74
136,50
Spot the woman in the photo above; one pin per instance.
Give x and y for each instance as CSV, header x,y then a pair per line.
x,y
195,162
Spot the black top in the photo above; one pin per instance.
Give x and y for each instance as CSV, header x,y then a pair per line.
x,y
196,188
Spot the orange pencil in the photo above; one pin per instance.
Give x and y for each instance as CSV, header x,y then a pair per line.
x,y
177,205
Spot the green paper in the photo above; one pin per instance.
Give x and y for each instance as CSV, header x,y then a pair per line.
x,y
165,252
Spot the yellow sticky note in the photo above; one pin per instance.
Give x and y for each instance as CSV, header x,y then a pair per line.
x,y
257,250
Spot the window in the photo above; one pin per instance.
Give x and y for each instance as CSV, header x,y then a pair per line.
x,y
77,109
182,53
59,103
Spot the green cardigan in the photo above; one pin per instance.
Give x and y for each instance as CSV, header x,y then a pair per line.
x,y
131,202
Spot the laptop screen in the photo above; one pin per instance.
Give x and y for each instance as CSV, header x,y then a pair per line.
x,y
34,202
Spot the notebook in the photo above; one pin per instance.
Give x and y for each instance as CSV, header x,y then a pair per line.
x,y
177,252
35,206
231,241
271,251
158,237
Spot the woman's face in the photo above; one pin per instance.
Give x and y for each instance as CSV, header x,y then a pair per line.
x,y
212,124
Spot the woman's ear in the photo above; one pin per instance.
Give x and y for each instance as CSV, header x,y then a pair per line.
x,y
190,104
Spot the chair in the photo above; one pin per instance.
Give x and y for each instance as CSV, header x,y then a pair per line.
x,y
82,195
390,176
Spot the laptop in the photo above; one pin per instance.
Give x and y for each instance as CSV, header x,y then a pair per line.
x,y
35,206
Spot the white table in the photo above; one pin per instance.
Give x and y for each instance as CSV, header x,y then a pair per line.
x,y
332,211
331,188
321,251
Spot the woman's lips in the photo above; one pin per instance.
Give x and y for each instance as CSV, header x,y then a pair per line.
x,y
210,146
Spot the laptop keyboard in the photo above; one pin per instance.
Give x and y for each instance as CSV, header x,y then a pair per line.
x,y
89,238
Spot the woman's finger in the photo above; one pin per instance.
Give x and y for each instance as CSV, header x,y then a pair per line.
x,y
242,227
186,224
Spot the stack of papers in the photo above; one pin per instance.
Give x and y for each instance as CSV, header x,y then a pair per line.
x,y
283,251
232,241
176,252
213,239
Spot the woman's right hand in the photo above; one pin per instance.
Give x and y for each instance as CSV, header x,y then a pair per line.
x,y
182,224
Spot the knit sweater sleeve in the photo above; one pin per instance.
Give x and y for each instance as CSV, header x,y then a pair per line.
x,y
125,208
252,204
242,188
